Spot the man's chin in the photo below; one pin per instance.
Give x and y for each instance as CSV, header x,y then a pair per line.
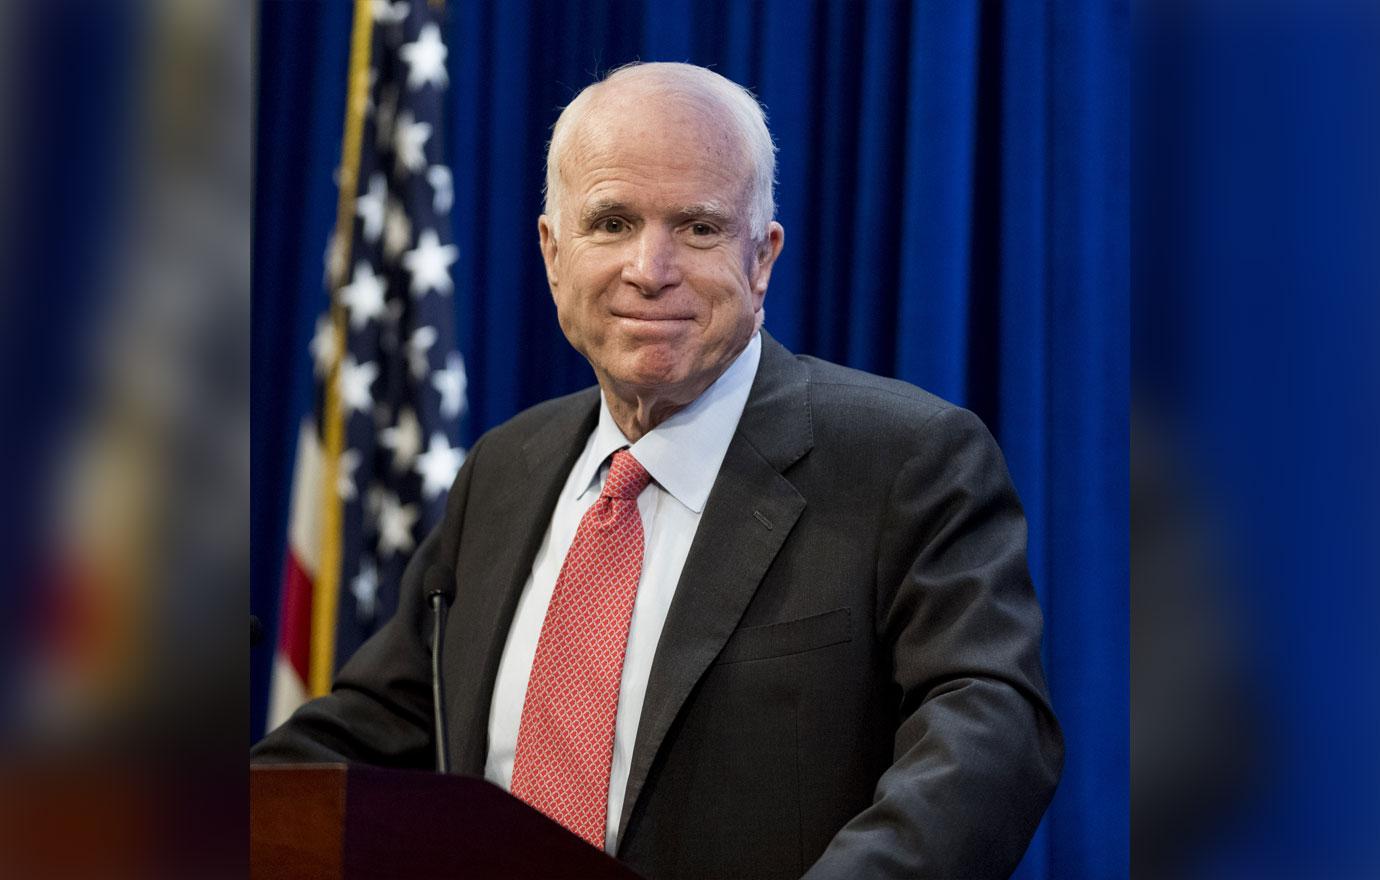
x,y
651,382
645,377
666,371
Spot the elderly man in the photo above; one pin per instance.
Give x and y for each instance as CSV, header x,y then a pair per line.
x,y
733,612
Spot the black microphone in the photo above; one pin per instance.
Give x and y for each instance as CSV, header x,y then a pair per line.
x,y
439,582
256,631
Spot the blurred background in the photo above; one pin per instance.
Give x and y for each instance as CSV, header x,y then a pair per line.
x,y
1256,379
1140,240
124,420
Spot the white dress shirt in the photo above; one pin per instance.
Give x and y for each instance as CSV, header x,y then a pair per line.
x,y
683,455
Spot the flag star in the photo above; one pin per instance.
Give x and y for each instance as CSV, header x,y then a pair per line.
x,y
364,295
442,188
369,206
409,141
365,587
397,230
429,262
426,59
438,465
418,344
356,380
395,525
323,345
345,478
404,440
450,383
390,13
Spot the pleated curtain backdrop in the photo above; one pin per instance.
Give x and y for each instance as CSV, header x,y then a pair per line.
x,y
953,181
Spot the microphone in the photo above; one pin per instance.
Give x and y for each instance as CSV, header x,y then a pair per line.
x,y
439,582
256,631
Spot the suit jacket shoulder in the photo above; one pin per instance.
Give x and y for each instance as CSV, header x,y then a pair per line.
x,y
850,406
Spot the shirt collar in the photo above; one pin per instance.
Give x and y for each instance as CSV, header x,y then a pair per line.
x,y
683,453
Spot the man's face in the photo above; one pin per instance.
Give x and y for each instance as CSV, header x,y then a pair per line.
x,y
654,272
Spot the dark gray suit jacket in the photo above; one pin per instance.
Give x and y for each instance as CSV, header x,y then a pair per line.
x,y
849,677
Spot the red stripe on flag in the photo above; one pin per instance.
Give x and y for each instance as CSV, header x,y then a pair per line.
x,y
294,628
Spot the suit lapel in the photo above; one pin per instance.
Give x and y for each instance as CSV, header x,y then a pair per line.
x,y
747,518
516,517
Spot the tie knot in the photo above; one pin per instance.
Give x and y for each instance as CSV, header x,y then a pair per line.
x,y
627,477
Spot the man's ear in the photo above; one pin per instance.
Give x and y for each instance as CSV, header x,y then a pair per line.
x,y
547,237
764,257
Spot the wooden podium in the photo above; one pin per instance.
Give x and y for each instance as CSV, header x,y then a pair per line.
x,y
338,821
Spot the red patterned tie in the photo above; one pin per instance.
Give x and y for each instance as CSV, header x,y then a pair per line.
x,y
565,740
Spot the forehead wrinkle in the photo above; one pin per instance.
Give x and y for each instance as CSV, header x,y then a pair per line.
x,y
609,177
658,115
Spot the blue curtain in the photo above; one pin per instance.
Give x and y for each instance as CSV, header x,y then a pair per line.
x,y
953,184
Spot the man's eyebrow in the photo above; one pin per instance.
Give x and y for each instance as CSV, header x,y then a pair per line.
x,y
706,211
599,207
711,211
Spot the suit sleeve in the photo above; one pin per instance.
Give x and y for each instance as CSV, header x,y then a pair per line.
x,y
379,710
977,750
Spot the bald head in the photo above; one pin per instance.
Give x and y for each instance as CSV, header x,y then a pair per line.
x,y
681,94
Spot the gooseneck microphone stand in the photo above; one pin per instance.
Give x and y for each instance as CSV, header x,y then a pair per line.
x,y
440,590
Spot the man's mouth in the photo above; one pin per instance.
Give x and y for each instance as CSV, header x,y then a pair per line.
x,y
654,318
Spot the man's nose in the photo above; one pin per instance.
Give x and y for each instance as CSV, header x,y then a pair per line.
x,y
654,263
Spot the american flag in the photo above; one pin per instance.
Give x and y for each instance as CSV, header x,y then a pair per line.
x,y
379,452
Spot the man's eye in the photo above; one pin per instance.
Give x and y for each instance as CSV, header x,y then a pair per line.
x,y
612,225
701,229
